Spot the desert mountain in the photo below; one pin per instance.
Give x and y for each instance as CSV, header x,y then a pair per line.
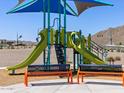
x,y
110,36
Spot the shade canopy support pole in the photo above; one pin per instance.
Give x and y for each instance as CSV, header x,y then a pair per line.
x,y
65,31
44,26
48,61
59,2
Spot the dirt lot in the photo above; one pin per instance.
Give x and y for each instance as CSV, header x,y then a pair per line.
x,y
6,79
11,57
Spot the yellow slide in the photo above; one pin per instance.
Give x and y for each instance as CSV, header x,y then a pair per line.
x,y
35,53
83,51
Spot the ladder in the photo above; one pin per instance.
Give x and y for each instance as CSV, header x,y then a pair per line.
x,y
59,53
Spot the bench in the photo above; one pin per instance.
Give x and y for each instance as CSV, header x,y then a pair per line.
x,y
104,70
48,70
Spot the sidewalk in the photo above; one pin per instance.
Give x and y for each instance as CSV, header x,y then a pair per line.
x,y
61,86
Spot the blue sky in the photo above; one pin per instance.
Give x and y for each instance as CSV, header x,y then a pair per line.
x,y
91,21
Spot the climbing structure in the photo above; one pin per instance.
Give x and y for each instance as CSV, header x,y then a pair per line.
x,y
60,38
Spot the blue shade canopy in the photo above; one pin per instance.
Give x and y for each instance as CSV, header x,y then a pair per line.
x,y
55,7
82,5
38,6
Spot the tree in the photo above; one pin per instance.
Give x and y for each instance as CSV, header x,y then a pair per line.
x,y
111,60
120,43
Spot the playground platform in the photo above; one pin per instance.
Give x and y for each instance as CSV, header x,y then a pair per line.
x,y
61,86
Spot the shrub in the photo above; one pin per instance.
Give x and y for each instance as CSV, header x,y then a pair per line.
x,y
110,59
117,58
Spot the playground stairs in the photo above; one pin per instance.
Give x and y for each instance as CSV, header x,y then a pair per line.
x,y
98,50
59,53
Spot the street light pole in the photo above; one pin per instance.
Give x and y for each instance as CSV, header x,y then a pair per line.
x,y
17,38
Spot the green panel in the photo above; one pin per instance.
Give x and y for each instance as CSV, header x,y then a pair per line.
x,y
62,36
35,53
89,42
83,42
56,37
77,41
69,45
52,36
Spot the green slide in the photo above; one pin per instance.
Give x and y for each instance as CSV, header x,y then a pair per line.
x,y
83,51
35,53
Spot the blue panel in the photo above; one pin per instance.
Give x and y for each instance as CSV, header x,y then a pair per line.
x,y
54,8
29,6
37,6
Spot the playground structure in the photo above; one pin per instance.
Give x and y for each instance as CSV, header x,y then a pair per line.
x,y
80,48
85,50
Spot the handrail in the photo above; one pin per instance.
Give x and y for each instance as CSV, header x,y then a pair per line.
x,y
55,19
98,49
97,44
